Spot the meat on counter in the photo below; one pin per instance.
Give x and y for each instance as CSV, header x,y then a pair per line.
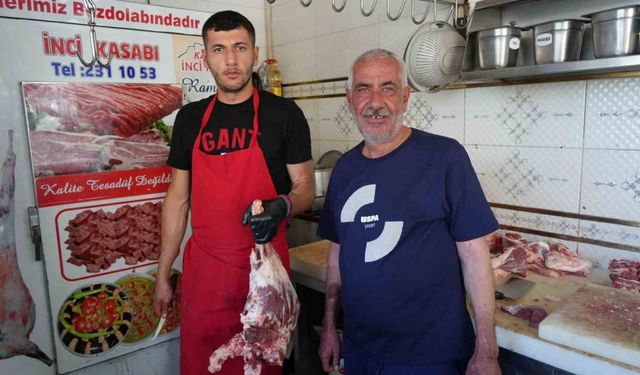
x,y
625,274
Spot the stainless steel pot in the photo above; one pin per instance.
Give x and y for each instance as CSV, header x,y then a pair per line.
x,y
558,41
615,31
322,176
498,47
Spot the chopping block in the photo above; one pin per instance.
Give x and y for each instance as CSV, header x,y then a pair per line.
x,y
598,320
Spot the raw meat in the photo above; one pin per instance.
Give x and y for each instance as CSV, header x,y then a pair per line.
x,y
560,258
103,109
59,153
269,317
510,239
97,239
538,248
535,259
625,274
552,260
17,310
540,269
514,259
626,269
500,277
533,313
494,241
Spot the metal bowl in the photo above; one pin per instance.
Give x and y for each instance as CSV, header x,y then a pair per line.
x,y
322,176
498,47
615,31
558,41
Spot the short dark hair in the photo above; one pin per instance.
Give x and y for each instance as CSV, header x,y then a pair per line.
x,y
228,20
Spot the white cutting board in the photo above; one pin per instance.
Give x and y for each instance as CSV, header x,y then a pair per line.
x,y
598,320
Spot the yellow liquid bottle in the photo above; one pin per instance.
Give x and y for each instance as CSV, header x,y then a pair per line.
x,y
274,78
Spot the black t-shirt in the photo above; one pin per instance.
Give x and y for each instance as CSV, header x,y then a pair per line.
x,y
284,133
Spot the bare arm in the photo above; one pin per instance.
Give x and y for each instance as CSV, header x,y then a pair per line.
x,y
174,222
302,186
478,280
329,344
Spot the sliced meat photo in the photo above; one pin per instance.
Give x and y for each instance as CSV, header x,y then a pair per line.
x,y
102,109
55,153
97,239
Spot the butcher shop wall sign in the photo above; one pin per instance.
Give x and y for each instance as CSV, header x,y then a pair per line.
x,y
108,13
191,72
98,153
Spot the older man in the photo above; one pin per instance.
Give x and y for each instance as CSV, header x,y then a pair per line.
x,y
405,215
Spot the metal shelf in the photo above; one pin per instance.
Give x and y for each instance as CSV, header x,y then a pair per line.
x,y
485,4
605,65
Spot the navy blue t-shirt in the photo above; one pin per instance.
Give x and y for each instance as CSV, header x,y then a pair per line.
x,y
397,219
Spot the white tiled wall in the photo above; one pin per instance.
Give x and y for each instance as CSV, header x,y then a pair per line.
x,y
572,147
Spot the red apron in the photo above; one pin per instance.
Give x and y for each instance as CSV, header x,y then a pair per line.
x,y
216,258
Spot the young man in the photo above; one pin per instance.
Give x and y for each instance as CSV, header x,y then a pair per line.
x,y
405,215
226,151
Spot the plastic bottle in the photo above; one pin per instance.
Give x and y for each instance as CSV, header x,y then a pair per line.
x,y
262,74
274,77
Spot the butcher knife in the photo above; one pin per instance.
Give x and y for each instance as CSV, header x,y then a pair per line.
x,y
514,288
173,281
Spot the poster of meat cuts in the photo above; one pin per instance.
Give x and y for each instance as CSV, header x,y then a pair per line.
x,y
98,153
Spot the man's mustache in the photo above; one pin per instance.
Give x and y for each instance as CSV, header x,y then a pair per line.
x,y
370,112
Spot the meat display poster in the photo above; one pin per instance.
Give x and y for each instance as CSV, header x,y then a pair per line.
x,y
98,153
91,145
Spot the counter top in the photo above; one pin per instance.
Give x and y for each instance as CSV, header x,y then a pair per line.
x,y
309,263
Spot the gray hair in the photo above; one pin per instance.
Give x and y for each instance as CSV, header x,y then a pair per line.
x,y
379,53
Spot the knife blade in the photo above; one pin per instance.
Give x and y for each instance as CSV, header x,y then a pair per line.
x,y
173,282
514,288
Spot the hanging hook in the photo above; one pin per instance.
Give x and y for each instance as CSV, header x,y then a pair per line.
x,y
392,18
90,7
451,11
333,5
370,12
413,11
303,3
462,22
435,10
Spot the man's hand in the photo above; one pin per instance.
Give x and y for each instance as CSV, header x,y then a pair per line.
x,y
329,349
265,225
162,297
483,365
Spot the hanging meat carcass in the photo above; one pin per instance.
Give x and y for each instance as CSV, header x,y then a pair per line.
x,y
269,316
17,310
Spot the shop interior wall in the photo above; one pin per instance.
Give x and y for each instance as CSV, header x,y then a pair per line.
x,y
555,153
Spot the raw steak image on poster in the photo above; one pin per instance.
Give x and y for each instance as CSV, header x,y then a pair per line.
x,y
91,127
17,310
99,237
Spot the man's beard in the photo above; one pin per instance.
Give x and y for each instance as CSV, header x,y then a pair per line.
x,y
376,139
232,89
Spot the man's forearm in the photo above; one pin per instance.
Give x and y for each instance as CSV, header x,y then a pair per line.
x,y
174,223
172,232
333,288
478,280
303,189
301,197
